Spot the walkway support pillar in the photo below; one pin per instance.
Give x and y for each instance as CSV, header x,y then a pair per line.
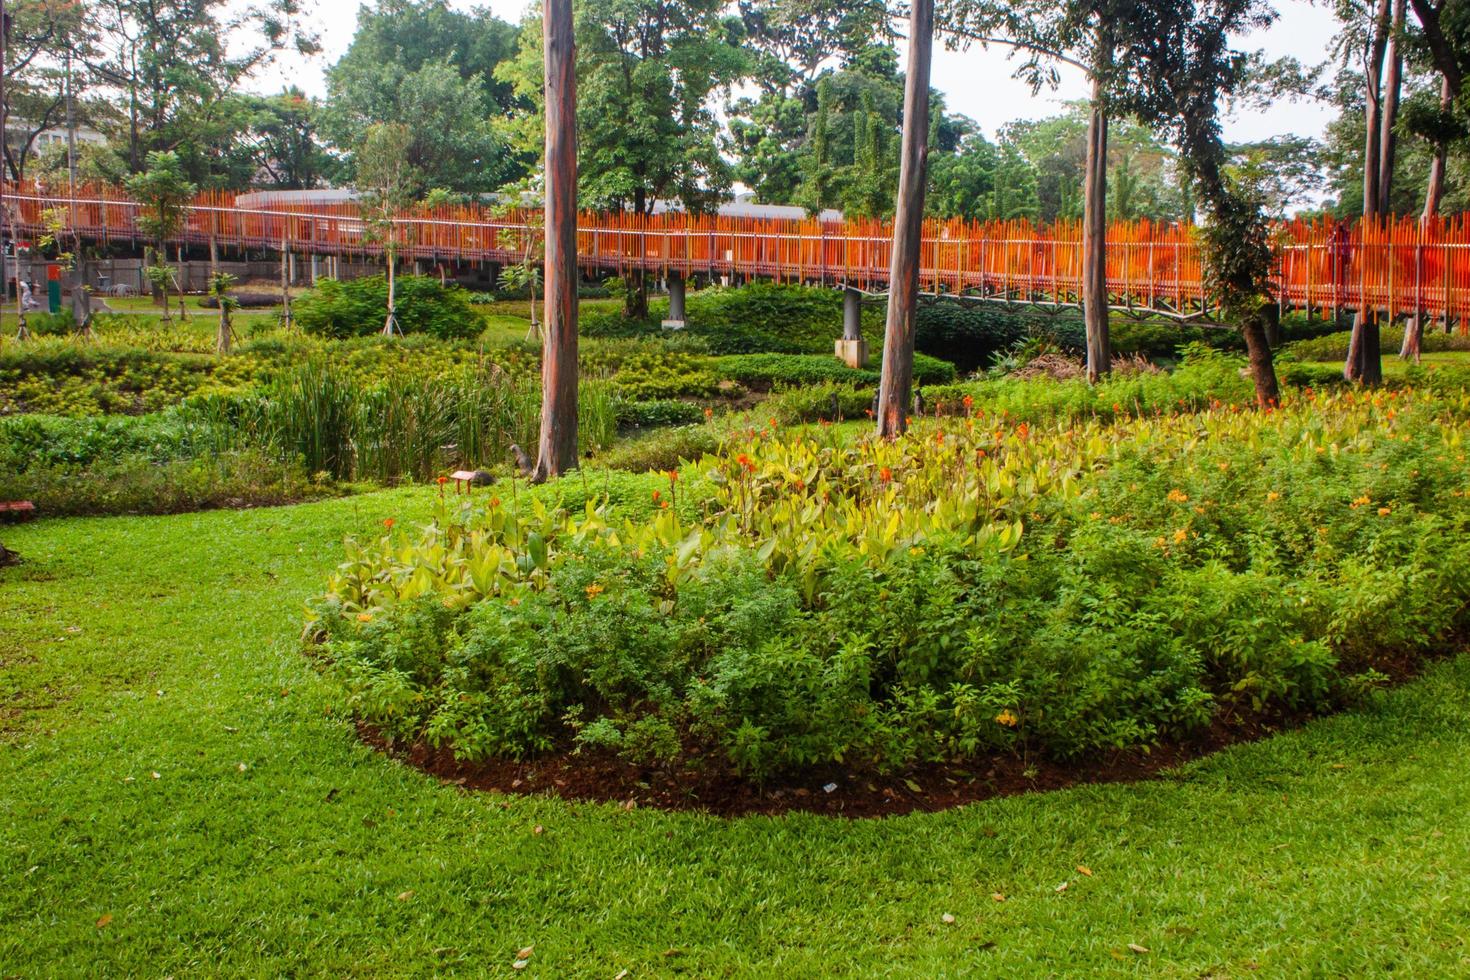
x,y
852,349
676,319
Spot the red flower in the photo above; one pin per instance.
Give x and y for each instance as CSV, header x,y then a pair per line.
x,y
655,496
885,474
388,523
673,476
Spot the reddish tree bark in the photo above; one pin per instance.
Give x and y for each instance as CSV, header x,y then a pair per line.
x,y
1095,230
908,228
557,447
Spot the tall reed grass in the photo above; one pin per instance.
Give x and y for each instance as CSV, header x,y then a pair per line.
x,y
409,427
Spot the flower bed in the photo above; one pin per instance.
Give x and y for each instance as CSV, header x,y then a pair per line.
x,y
806,598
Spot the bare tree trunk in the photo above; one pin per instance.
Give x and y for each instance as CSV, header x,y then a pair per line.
x,y
557,447
1094,235
390,322
1364,363
1387,137
908,228
286,286
1258,353
179,282
1433,193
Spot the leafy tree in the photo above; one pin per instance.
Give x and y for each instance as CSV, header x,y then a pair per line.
x,y
432,69
279,142
646,134
172,79
387,183
41,32
163,194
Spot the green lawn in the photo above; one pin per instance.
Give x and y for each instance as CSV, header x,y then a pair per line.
x,y
178,796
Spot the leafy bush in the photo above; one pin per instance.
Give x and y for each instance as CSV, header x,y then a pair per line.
x,y
772,370
652,414
979,585
1334,346
140,485
661,449
358,307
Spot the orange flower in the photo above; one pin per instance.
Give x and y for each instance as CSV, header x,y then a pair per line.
x,y
1178,496
388,523
1007,718
594,590
365,617
656,495
673,476
443,480
968,401
1384,511
1273,495
885,474
708,412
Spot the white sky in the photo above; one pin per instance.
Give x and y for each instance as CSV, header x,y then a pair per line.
x,y
975,83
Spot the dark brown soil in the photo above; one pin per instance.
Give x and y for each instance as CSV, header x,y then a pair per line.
x,y
705,784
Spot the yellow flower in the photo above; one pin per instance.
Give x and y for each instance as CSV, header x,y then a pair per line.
x,y
1178,496
594,590
1362,501
364,617
1007,718
1180,535
1384,511
1273,495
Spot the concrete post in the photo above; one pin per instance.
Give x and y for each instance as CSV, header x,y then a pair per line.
x,y
676,302
852,349
316,268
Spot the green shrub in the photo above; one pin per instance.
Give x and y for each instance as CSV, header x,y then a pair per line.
x,y
358,307
660,449
140,485
653,414
1334,346
762,371
963,590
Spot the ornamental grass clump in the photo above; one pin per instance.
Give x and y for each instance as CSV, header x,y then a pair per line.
x,y
979,585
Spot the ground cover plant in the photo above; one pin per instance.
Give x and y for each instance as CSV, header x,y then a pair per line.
x,y
272,841
1072,588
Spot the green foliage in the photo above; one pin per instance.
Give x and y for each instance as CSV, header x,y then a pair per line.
x,y
652,414
765,317
776,370
356,308
661,449
142,484
976,587
1334,346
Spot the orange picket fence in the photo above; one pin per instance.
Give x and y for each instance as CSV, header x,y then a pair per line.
x,y
1396,266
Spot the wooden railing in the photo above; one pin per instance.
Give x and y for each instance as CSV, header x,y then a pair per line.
x,y
1397,266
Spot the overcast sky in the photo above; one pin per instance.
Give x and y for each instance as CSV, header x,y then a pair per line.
x,y
975,83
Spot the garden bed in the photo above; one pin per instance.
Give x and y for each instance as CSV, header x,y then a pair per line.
x,y
837,791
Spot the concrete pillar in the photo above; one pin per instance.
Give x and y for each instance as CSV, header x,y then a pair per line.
x,y
316,268
291,267
676,302
852,349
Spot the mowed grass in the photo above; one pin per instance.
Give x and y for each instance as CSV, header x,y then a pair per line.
x,y
271,842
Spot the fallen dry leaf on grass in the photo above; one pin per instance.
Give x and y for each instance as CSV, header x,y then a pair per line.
x,y
1140,950
538,830
404,896
1063,886
1084,869
105,920
997,896
525,954
947,919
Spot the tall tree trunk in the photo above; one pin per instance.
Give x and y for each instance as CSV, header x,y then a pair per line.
x,y
1433,193
1095,230
1364,363
1387,137
1258,354
286,317
908,229
390,322
557,447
